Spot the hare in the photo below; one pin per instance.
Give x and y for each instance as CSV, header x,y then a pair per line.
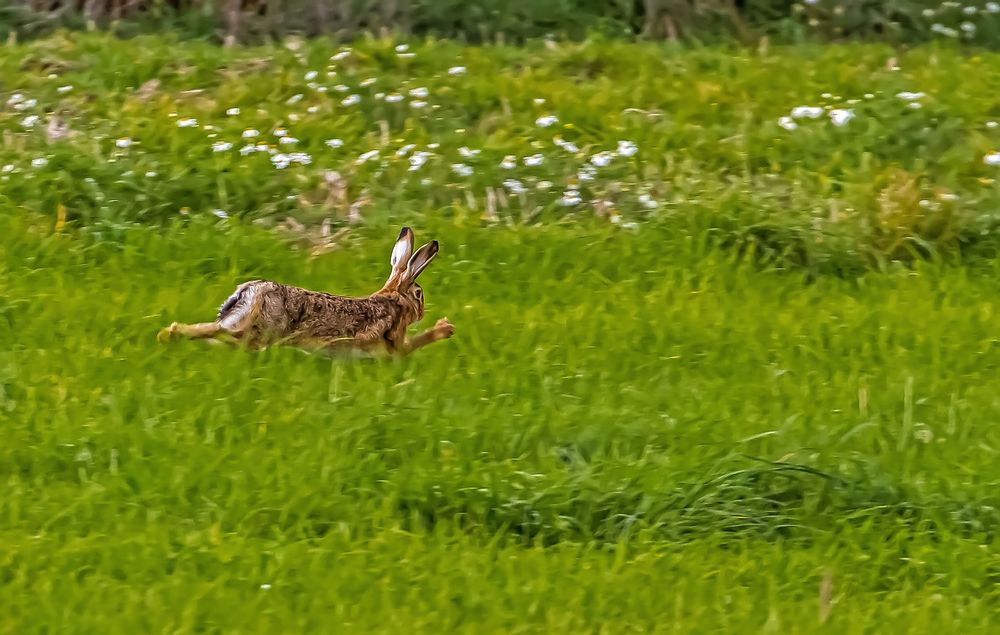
x,y
261,312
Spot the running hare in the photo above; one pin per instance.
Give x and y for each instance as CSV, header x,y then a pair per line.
x,y
261,312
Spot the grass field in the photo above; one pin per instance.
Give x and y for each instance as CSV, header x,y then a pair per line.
x,y
640,425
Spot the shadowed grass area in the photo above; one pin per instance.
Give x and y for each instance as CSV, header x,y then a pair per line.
x,y
629,431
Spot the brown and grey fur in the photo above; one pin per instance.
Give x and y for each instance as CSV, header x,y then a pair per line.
x,y
261,313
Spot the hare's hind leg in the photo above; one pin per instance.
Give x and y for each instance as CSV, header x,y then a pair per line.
x,y
442,330
203,330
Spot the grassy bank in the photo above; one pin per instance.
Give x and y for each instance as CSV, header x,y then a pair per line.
x,y
835,158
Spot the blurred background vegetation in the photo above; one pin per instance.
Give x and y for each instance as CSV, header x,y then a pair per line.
x,y
248,21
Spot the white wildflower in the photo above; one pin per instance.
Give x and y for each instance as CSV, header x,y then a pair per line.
x,y
908,96
311,75
586,173
626,149
301,158
461,169
403,151
392,98
467,153
123,143
647,201
601,159
187,122
509,162
787,123
968,27
221,213
280,132
992,7
515,186
7,169
970,10
538,101
340,88
992,124
546,120
416,103
944,30
915,105
312,110
533,160
840,116
335,143
419,92
29,121
151,174
456,70
365,157
250,133
248,149
288,140
62,90
570,198
402,48
807,112
294,99
221,146
993,158
15,99
40,162
568,146
342,55
232,112
350,100
280,161
543,185
418,159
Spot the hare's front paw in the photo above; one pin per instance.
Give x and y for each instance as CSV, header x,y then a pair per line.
x,y
444,329
167,333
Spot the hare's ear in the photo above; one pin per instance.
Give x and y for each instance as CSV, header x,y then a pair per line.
x,y
400,257
419,262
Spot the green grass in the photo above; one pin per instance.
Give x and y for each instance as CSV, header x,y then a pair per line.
x,y
578,457
640,425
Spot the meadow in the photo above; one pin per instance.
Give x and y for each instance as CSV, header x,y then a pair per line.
x,y
725,351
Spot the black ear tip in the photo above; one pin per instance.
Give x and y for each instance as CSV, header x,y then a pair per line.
x,y
403,232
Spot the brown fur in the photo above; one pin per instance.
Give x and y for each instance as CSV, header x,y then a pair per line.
x,y
261,313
